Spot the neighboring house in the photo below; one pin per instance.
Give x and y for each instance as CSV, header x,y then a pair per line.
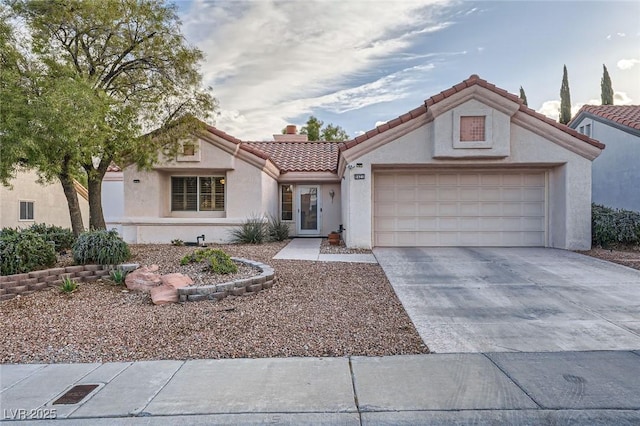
x,y
472,166
616,173
27,202
113,197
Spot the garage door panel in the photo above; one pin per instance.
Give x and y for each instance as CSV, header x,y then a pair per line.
x,y
385,208
425,209
469,209
490,194
489,208
533,194
472,179
405,194
490,179
406,224
385,179
427,179
448,180
406,210
469,194
447,209
405,179
533,179
427,194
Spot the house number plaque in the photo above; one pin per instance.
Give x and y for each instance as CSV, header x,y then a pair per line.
x,y
358,176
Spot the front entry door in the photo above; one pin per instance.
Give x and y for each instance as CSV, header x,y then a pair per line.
x,y
309,210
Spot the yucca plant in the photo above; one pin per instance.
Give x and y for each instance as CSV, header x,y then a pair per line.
x,y
277,229
68,285
117,276
252,231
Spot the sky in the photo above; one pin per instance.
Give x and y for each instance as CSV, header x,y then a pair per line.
x,y
358,64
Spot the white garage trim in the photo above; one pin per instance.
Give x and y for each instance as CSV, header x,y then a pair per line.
x,y
460,208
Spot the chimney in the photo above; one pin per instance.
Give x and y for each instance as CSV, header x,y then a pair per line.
x,y
290,135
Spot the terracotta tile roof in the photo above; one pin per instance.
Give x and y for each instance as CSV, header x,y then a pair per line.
x,y
222,134
626,115
298,156
113,167
471,81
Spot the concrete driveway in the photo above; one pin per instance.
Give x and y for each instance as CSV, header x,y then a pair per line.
x,y
515,299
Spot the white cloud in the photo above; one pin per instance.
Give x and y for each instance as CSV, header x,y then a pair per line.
x,y
626,64
266,64
552,108
621,98
379,123
621,34
359,132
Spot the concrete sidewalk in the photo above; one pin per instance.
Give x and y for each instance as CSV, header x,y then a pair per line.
x,y
493,388
309,249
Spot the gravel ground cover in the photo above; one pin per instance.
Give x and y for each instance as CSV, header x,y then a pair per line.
x,y
314,309
627,256
326,248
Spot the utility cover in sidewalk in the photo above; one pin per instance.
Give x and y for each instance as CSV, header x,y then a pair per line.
x,y
75,394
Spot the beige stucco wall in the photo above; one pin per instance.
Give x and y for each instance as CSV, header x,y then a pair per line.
x,y
569,198
249,191
50,204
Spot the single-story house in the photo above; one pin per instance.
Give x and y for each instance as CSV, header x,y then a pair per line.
x,y
615,174
27,201
472,166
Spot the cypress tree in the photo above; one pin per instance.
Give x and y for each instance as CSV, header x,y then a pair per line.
x,y
606,93
565,99
523,96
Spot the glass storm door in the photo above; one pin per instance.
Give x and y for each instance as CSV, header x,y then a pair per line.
x,y
309,210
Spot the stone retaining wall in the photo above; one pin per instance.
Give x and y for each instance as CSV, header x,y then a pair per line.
x,y
27,283
264,280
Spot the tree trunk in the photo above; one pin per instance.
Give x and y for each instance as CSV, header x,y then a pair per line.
x,y
94,181
72,201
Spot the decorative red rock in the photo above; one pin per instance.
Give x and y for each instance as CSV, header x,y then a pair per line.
x,y
143,278
163,294
176,280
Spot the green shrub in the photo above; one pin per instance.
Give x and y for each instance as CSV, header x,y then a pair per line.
x,y
252,231
62,237
177,242
117,276
277,230
24,251
613,226
101,247
218,261
221,263
68,285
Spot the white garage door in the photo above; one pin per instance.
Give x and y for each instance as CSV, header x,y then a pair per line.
x,y
484,208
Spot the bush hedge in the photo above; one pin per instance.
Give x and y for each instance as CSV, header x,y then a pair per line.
x,y
62,237
614,226
24,251
101,247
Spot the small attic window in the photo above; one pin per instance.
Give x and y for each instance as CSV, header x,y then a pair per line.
x,y
472,128
188,149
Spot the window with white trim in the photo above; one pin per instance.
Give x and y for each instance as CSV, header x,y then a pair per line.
x,y
26,210
197,193
286,202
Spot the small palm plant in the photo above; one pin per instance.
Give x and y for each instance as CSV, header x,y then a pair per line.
x,y
117,276
68,285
